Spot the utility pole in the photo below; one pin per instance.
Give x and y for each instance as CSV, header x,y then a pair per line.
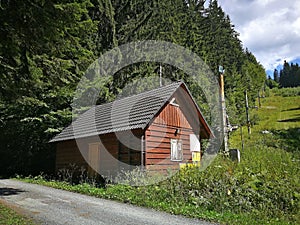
x,y
247,112
223,108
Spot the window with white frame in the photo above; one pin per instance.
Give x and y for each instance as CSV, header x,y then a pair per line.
x,y
176,150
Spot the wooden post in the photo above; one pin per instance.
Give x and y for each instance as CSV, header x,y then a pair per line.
x,y
242,139
247,112
258,96
223,108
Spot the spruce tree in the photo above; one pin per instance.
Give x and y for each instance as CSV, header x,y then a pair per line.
x,y
276,75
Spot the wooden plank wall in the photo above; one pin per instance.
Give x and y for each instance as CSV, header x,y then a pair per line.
x,y
172,116
158,137
130,148
108,163
67,153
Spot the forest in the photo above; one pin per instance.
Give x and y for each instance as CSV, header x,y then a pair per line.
x,y
46,46
288,76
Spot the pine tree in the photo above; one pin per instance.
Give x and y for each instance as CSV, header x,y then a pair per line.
x,y
289,75
45,49
276,75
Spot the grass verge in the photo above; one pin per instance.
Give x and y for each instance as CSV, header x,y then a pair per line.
x,y
9,217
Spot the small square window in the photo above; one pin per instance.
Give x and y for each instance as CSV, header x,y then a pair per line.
x,y
176,150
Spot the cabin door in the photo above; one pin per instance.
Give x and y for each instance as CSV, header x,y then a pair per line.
x,y
94,159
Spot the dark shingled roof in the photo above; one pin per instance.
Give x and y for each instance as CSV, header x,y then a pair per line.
x,y
128,113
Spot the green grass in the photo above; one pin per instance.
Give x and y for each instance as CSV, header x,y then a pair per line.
x,y
10,217
285,92
151,197
262,189
273,159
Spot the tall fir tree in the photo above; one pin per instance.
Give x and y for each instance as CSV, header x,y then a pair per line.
x,y
290,75
276,75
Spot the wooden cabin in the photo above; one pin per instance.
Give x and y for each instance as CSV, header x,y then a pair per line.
x,y
156,130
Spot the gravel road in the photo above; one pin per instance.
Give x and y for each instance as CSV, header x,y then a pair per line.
x,y
51,206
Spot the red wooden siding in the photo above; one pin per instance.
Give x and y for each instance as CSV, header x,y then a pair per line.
x,y
108,154
68,152
172,116
130,147
158,137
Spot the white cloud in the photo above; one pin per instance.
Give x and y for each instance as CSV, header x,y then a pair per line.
x,y
268,28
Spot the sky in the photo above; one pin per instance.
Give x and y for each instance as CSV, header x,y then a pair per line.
x,y
270,29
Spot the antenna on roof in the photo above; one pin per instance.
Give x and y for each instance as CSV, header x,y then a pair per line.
x,y
160,75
